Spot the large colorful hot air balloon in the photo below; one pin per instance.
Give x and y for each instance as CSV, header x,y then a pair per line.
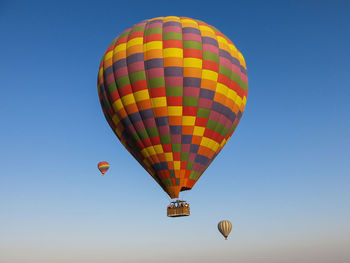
x,y
225,228
103,167
173,89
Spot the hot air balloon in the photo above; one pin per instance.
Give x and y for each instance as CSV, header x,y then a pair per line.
x,y
103,167
173,90
225,228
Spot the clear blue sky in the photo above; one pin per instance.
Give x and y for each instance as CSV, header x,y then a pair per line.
x,y
283,179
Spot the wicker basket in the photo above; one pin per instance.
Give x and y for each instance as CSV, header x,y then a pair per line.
x,y
178,208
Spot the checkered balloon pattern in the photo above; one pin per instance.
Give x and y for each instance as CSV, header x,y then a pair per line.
x,y
173,89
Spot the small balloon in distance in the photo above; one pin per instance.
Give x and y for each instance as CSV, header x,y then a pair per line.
x,y
225,228
103,167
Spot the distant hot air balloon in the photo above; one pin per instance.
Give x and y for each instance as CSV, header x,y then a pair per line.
x,y
103,167
173,89
225,228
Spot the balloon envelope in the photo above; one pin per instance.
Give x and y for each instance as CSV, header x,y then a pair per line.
x,y
103,167
225,228
173,89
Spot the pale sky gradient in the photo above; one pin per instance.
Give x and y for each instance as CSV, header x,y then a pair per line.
x,y
283,179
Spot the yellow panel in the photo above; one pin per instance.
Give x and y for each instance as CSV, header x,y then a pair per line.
x,y
174,110
151,150
209,143
232,94
205,28
168,157
244,100
172,53
233,47
188,120
120,47
221,88
128,99
238,101
171,18
145,153
147,162
100,72
141,95
158,148
198,131
207,31
221,39
233,51
188,23
118,105
153,45
241,59
156,18
135,41
215,146
223,143
209,74
115,119
109,55
118,132
192,63
158,102
177,165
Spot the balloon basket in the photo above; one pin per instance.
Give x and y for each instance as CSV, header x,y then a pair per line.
x,y
178,208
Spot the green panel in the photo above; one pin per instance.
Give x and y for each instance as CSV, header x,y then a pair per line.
x,y
111,88
222,130
156,82
137,76
152,131
143,134
123,81
172,174
139,28
225,71
190,44
243,85
232,128
135,136
190,101
154,30
167,181
174,91
125,34
165,139
184,156
236,78
194,175
211,56
211,124
106,103
176,147
172,35
217,126
202,112
189,165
